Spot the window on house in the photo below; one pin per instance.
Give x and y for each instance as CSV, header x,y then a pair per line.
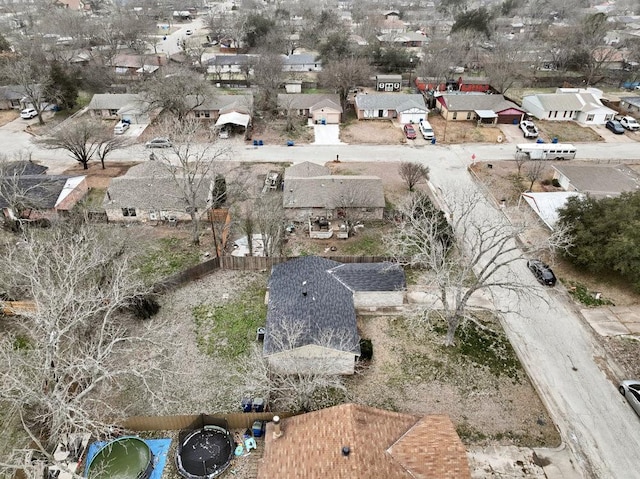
x,y
301,112
207,114
128,212
555,114
113,112
550,114
468,115
455,115
589,117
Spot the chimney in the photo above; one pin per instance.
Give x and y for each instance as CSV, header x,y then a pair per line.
x,y
277,432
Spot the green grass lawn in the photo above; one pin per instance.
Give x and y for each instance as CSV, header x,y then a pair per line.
x,y
166,257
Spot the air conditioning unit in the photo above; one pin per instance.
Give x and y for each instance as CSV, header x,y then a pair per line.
x,y
153,215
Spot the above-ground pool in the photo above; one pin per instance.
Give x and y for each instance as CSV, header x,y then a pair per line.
x,y
204,453
123,458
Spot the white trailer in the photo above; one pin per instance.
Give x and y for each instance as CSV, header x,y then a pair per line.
x,y
546,151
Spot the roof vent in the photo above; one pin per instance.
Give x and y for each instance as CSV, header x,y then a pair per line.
x,y
346,451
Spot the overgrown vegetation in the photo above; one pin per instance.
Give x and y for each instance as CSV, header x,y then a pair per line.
x,y
169,256
580,293
228,330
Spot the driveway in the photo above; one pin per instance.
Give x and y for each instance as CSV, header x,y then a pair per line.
x,y
327,134
610,137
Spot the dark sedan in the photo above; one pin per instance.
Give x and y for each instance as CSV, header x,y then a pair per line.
x,y
615,126
542,272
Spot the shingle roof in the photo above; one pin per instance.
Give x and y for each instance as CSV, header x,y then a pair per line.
x,y
311,446
306,169
302,292
370,276
389,101
225,102
310,101
115,101
241,59
17,168
601,180
333,191
568,102
38,191
12,92
474,101
300,59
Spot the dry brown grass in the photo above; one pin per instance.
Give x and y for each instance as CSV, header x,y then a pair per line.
x,y
7,116
566,131
371,132
449,132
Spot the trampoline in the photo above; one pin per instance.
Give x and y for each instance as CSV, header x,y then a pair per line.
x,y
204,453
124,458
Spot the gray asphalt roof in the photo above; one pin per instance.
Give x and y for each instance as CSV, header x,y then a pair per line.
x,y
370,276
17,168
158,193
389,101
474,101
39,191
306,169
325,311
220,102
305,101
601,180
12,92
241,59
114,101
300,59
333,191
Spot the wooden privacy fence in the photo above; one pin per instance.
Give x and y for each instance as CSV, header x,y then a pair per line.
x,y
175,423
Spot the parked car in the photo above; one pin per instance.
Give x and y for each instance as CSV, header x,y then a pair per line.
x,y
28,113
630,389
224,132
529,129
426,130
615,126
410,132
121,127
189,32
629,123
158,143
542,272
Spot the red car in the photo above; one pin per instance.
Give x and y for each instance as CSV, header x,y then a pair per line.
x,y
410,132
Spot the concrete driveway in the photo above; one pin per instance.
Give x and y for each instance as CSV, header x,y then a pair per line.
x,y
327,135
610,137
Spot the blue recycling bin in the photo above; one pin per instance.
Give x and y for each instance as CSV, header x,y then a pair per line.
x,y
324,122
555,140
258,405
255,142
260,143
539,140
257,428
247,405
433,140
289,142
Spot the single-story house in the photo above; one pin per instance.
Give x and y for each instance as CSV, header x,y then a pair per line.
x,y
318,107
221,65
388,82
331,196
407,108
216,105
357,442
124,106
477,84
301,62
405,39
581,105
147,192
133,67
597,180
630,104
37,195
311,311
12,97
486,109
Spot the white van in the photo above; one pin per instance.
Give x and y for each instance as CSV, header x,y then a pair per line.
x,y
426,130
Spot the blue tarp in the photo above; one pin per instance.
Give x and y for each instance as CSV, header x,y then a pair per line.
x,y
159,449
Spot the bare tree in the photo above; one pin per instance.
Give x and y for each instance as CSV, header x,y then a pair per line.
x,y
268,77
107,143
193,168
413,173
342,75
502,67
534,171
462,256
80,139
270,221
64,361
31,75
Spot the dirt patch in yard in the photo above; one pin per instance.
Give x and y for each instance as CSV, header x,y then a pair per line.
x,y
98,177
371,132
7,116
566,132
449,132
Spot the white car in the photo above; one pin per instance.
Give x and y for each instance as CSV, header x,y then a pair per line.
x,y
120,127
224,133
629,123
158,143
28,113
189,32
426,130
529,129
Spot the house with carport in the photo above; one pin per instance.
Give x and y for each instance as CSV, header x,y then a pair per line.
x,y
483,108
569,104
130,107
406,108
319,108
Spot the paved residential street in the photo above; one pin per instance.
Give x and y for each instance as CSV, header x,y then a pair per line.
x,y
553,343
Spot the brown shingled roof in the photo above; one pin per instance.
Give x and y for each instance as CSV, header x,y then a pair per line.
x,y
381,444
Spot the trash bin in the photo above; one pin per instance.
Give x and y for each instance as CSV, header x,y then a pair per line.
x,y
260,143
555,140
247,405
258,405
257,428
433,140
539,140
260,334
255,142
289,142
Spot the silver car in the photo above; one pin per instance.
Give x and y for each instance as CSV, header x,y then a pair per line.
x,y
631,390
158,143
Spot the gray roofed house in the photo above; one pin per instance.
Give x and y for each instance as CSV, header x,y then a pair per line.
x,y
597,180
127,106
11,97
319,107
147,192
306,169
483,107
301,62
370,276
630,104
577,104
215,105
311,313
406,108
18,168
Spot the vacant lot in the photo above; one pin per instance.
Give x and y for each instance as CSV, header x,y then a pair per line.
x,y
566,132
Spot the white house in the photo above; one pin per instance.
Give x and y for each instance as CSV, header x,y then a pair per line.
x,y
581,105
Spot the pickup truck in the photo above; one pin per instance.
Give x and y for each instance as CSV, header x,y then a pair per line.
x,y
529,129
629,122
